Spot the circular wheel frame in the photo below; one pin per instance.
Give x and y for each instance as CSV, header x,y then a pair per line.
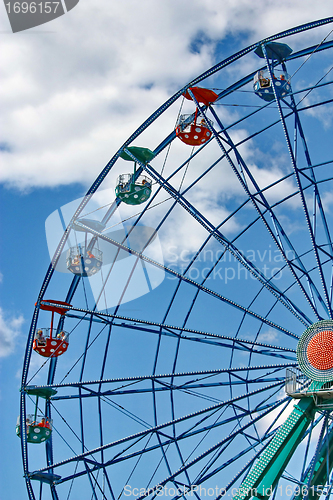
x,y
180,389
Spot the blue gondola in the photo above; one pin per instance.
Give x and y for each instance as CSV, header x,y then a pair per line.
x,y
265,80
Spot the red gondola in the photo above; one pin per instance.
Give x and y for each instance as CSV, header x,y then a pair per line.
x,y
47,342
192,131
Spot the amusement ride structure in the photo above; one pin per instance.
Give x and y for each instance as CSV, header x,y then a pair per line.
x,y
219,381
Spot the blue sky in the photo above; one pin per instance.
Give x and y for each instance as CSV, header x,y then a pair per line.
x,y
72,92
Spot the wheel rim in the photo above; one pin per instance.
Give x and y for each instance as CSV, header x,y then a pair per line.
x,y
234,397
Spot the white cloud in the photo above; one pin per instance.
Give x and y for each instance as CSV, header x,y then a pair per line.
x,y
269,336
70,97
268,419
10,327
323,114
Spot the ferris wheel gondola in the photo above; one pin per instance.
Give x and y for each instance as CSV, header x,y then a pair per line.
x,y
52,342
272,78
134,189
196,130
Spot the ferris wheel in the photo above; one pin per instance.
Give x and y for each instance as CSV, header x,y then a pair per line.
x,y
181,343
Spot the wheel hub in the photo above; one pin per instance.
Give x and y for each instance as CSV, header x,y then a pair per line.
x,y
315,351
320,351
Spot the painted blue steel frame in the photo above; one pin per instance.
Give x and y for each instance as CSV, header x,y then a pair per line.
x,y
259,384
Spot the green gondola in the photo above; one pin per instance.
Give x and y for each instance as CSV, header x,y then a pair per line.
x,y
38,427
135,189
